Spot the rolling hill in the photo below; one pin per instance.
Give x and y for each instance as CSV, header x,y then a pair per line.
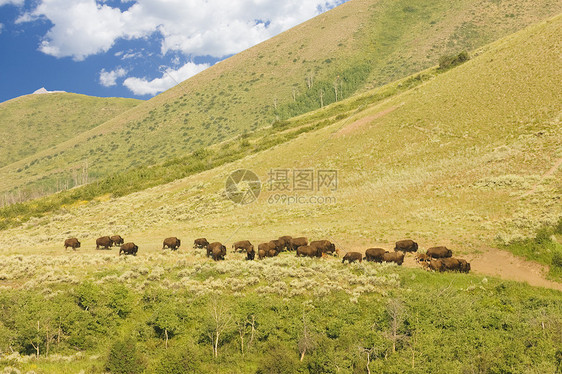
x,y
463,159
356,46
33,123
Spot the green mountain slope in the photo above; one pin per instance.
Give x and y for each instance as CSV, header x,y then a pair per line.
x,y
32,123
465,158
358,45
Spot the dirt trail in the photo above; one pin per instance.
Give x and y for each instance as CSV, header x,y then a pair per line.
x,y
497,263
508,266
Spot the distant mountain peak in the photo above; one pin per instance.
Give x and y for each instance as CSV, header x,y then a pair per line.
x,y
43,90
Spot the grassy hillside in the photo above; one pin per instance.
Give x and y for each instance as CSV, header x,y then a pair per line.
x,y
33,123
465,159
358,45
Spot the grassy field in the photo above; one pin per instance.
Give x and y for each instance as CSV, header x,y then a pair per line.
x,y
357,46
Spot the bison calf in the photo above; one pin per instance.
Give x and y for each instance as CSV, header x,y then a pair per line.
x,y
200,243
352,256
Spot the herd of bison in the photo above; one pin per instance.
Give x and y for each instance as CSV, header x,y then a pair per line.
x,y
436,258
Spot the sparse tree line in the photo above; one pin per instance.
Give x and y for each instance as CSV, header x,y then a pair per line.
x,y
425,326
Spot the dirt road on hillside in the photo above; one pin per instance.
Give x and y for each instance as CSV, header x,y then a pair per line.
x,y
497,263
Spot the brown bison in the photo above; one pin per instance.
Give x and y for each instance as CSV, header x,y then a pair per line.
x,y
439,252
325,246
449,264
397,257
250,254
464,266
308,251
104,241
117,240
277,244
406,246
262,253
173,243
422,258
374,254
217,251
244,245
286,242
72,243
200,243
297,242
129,249
352,257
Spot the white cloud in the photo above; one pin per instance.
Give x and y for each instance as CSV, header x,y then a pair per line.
x,y
13,2
194,27
170,77
1,27
109,78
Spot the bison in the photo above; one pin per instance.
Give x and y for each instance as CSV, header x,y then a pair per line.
x,y
352,257
245,245
277,244
250,254
262,253
308,251
200,243
439,252
72,243
104,241
374,254
406,246
422,257
217,251
173,243
449,264
325,246
297,242
117,240
286,242
129,249
464,266
397,257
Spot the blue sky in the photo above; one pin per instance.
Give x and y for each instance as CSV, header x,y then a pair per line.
x,y
131,48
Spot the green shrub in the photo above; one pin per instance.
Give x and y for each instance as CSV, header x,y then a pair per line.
x,y
557,259
278,359
449,61
124,358
177,360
